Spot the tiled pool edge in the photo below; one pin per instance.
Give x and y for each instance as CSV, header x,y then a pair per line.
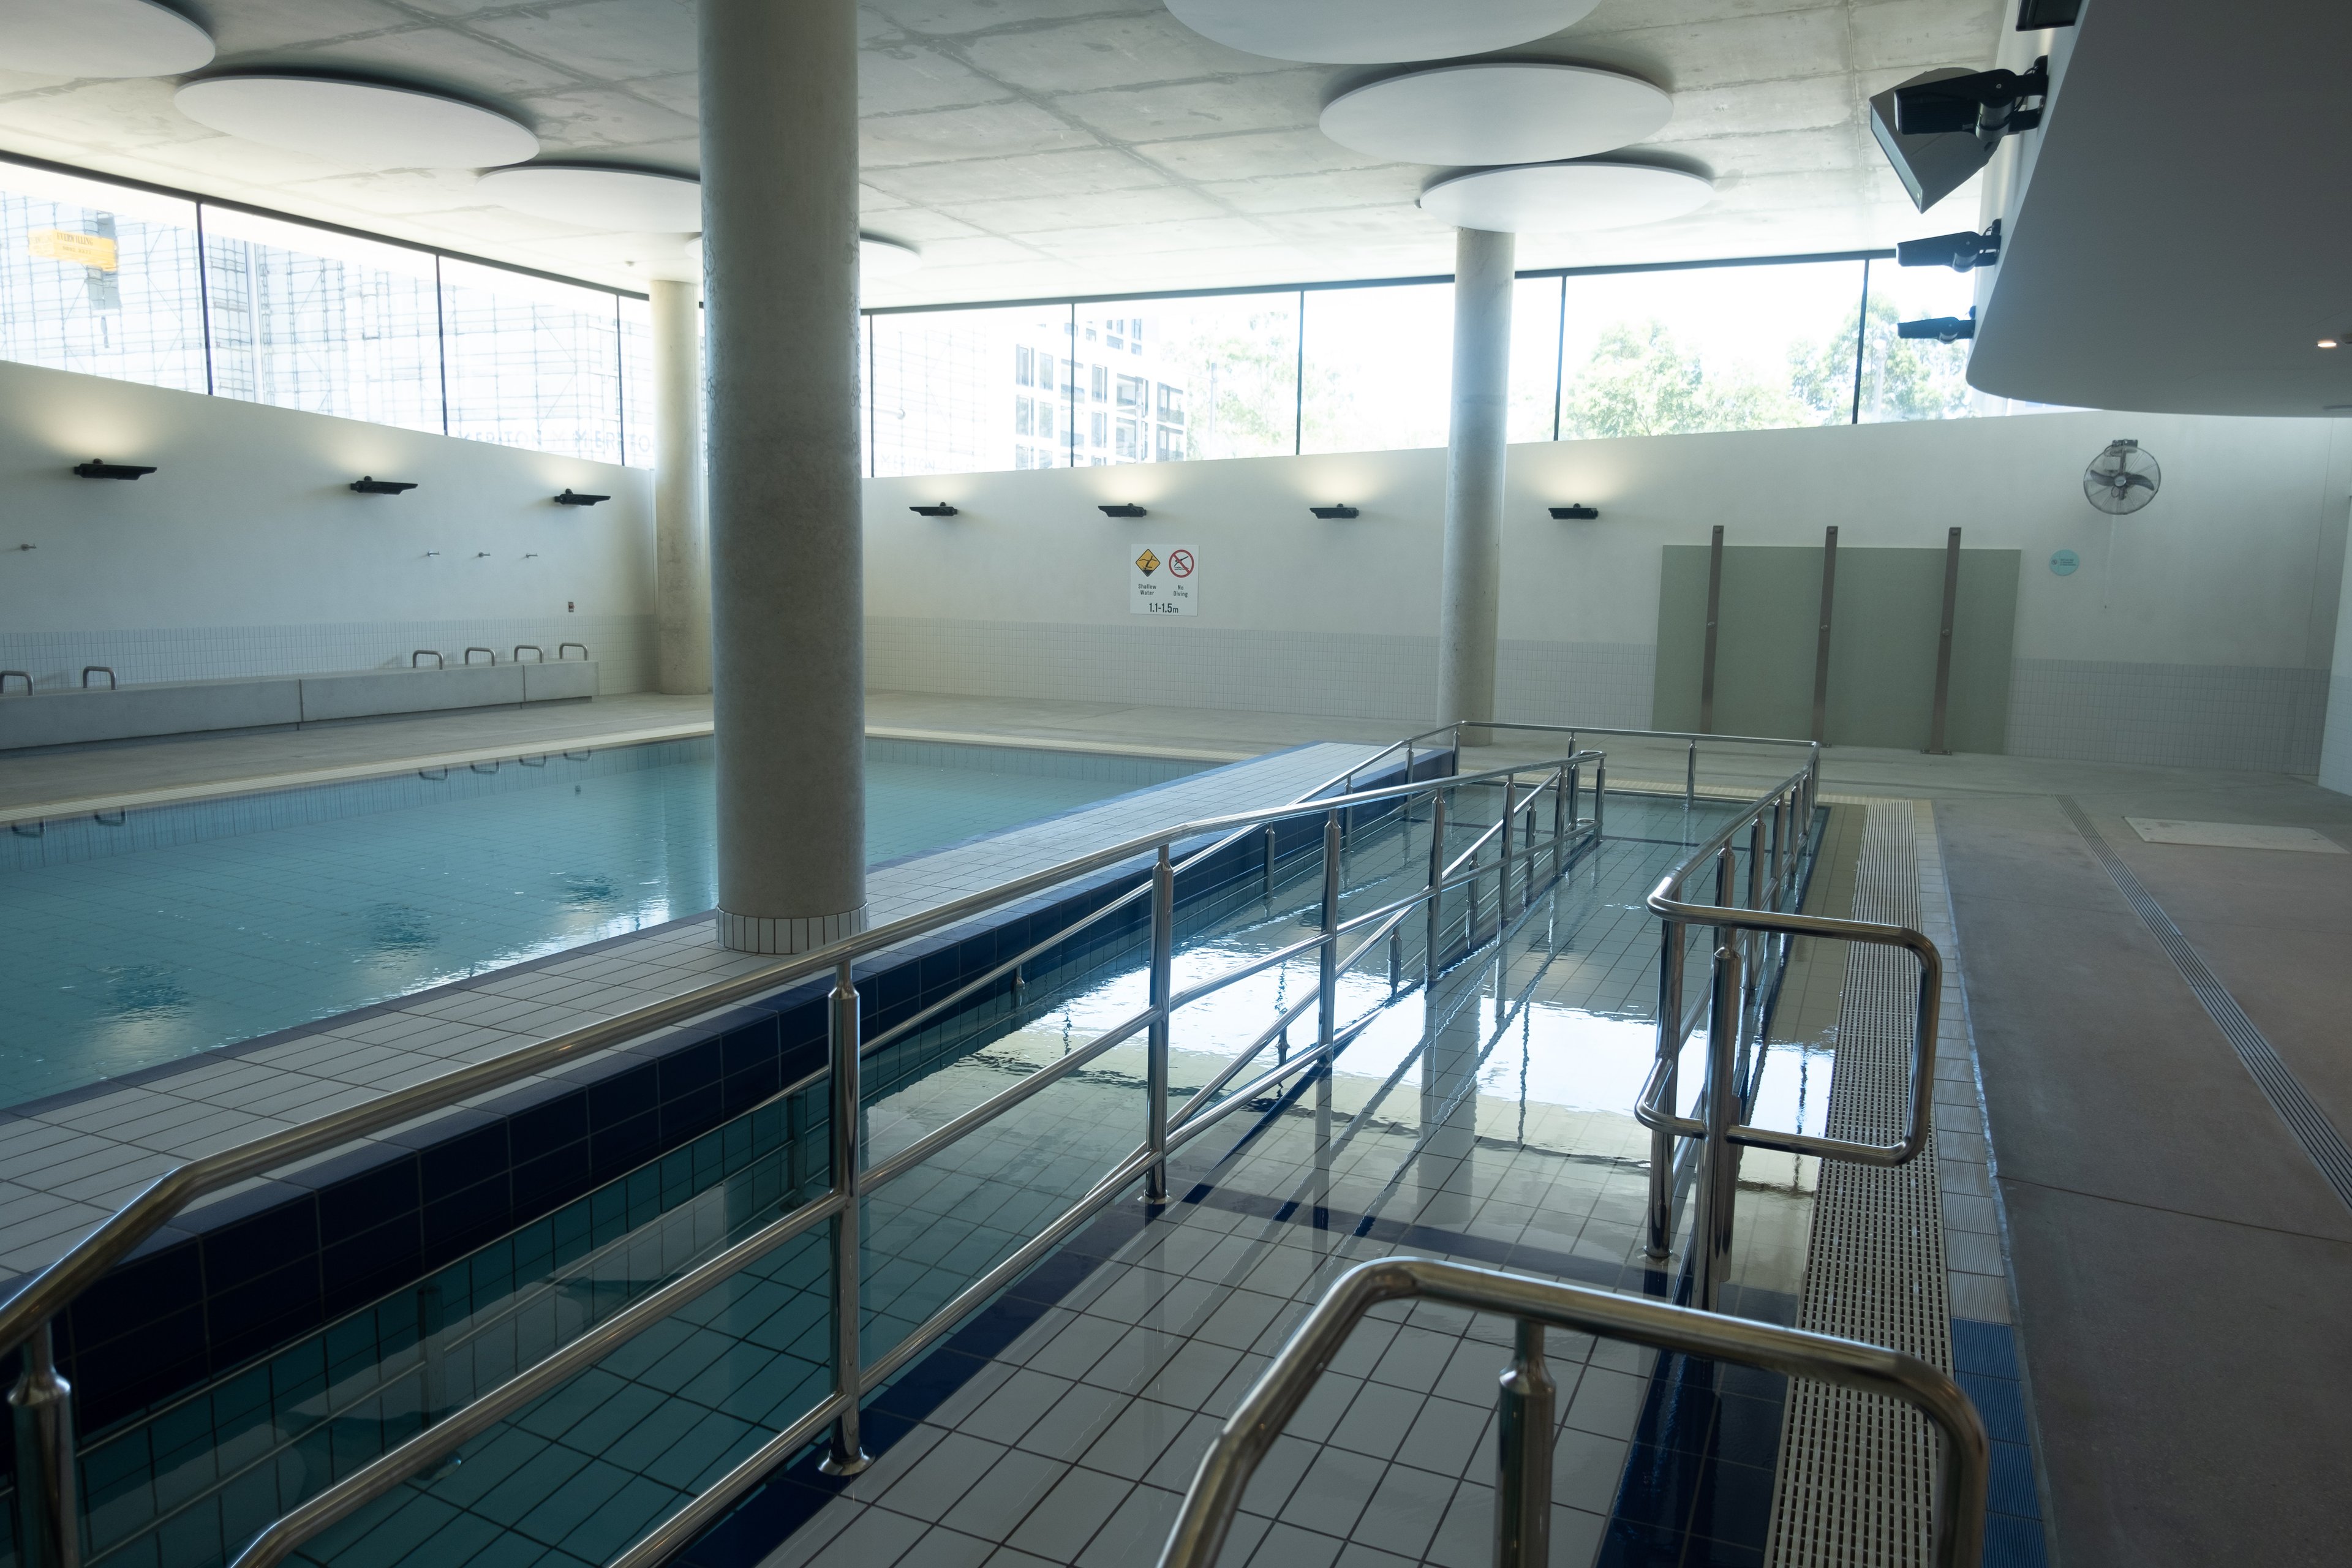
x,y
263,1266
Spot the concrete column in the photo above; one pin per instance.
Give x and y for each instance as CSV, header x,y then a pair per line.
x,y
681,545
780,279
1471,586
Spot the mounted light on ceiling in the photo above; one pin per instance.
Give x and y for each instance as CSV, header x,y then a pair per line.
x,y
1941,126
359,124
1330,512
1962,252
1122,509
936,508
1939,329
101,38
95,470
1497,111
369,485
573,498
1375,32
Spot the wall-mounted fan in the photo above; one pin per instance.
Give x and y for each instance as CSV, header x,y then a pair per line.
x,y
2122,480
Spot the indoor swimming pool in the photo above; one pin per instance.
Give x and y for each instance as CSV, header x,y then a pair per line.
x,y
140,939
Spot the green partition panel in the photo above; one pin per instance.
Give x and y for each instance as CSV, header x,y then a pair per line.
x,y
1885,617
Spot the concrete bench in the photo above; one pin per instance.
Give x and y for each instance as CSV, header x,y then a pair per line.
x,y
187,707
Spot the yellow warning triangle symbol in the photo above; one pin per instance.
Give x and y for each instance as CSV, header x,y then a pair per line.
x,y
1147,562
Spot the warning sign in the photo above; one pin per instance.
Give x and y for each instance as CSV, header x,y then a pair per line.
x,y
1164,583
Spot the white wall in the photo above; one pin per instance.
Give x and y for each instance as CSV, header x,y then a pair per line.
x,y
2206,639
246,553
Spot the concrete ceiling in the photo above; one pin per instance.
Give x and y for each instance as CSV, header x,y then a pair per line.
x,y
1040,147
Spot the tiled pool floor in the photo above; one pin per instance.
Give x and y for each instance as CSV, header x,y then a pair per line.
x,y
151,941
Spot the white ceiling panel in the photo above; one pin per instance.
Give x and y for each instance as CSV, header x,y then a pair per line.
x,y
1026,120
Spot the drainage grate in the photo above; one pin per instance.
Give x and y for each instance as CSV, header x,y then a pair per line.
x,y
1856,1482
2284,1091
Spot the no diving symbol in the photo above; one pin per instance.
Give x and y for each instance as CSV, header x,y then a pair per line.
x,y
1180,564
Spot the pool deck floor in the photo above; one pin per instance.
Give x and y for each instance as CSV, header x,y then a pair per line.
x,y
2178,1262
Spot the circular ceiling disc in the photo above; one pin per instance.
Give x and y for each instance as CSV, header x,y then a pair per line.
x,y
1376,32
624,201
1503,112
880,258
101,38
359,125
1565,198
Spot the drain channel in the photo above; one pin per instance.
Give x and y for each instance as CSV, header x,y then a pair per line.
x,y
2279,1085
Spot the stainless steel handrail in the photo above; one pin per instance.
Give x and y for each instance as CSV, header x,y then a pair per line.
x,y
43,1396
1690,770
853,1182
89,669
1777,828
438,662
1524,1424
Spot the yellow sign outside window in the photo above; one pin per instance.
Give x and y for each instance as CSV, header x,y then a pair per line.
x,y
65,245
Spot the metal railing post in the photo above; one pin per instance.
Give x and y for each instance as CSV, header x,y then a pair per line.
x,y
1436,875
1327,1001
1690,778
1756,894
1670,1049
1503,854
1563,810
1600,796
1155,1072
49,1516
1269,865
1718,1161
1523,1447
847,1456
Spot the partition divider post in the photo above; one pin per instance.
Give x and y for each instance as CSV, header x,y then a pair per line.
x,y
1523,1444
1327,1001
847,1456
1155,1072
1718,1163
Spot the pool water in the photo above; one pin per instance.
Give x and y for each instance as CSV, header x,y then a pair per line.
x,y
145,940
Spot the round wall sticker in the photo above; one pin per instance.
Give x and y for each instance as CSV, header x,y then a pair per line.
x,y
2064,562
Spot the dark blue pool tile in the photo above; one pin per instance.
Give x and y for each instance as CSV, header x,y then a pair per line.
x,y
468,1220
2001,1401
691,1113
371,1196
257,1314
1705,1551
366,1265
463,1163
2013,1491
261,1243
1747,1430
553,1178
1629,1543
689,1069
2011,1542
1734,1503
624,1096
1987,1350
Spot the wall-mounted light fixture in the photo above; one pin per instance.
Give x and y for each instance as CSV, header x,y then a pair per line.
x,y
94,469
1577,513
1124,509
369,485
938,509
573,498
1940,329
1328,512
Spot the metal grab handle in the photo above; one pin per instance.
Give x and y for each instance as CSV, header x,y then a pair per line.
x,y
89,669
534,647
581,646
438,662
469,653
24,676
1650,1110
1523,1489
